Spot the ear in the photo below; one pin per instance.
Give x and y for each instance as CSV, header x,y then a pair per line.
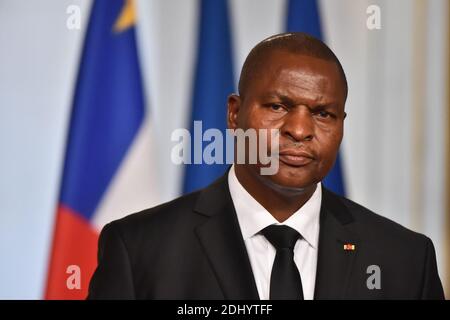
x,y
234,105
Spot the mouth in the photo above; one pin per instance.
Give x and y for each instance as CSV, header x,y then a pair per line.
x,y
296,158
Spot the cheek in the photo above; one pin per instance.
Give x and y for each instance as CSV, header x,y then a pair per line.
x,y
329,140
246,117
331,131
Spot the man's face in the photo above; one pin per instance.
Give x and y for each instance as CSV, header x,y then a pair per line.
x,y
303,97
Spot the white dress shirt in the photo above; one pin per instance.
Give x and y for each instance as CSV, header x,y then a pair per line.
x,y
253,218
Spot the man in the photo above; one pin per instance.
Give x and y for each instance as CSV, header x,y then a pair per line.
x,y
281,236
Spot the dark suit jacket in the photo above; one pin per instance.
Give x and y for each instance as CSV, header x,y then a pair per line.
x,y
192,248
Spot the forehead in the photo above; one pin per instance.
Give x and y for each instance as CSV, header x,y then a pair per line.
x,y
298,76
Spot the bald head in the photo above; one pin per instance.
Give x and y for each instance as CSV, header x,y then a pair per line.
x,y
293,42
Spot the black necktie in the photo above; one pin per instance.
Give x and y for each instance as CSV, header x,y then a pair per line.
x,y
285,281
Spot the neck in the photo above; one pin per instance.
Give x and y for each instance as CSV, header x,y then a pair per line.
x,y
281,202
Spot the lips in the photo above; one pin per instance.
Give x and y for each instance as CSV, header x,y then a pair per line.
x,y
296,158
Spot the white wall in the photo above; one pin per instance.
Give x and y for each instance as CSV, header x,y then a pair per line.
x,y
389,121
38,59
394,145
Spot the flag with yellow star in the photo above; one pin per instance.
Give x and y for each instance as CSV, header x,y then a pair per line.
x,y
108,163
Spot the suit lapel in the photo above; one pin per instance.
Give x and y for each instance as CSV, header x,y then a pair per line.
x,y
334,263
222,241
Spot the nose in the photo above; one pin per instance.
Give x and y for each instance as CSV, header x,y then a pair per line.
x,y
298,124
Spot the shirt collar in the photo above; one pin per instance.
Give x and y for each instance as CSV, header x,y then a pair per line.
x,y
253,217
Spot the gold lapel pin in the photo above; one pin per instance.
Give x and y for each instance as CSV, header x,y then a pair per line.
x,y
349,247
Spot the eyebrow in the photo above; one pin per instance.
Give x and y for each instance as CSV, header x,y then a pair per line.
x,y
279,96
291,102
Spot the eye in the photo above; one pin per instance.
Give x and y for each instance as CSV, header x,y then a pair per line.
x,y
324,114
276,106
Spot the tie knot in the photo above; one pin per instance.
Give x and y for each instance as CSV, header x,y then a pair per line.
x,y
281,236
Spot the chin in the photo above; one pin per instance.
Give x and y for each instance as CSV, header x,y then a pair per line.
x,y
294,179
